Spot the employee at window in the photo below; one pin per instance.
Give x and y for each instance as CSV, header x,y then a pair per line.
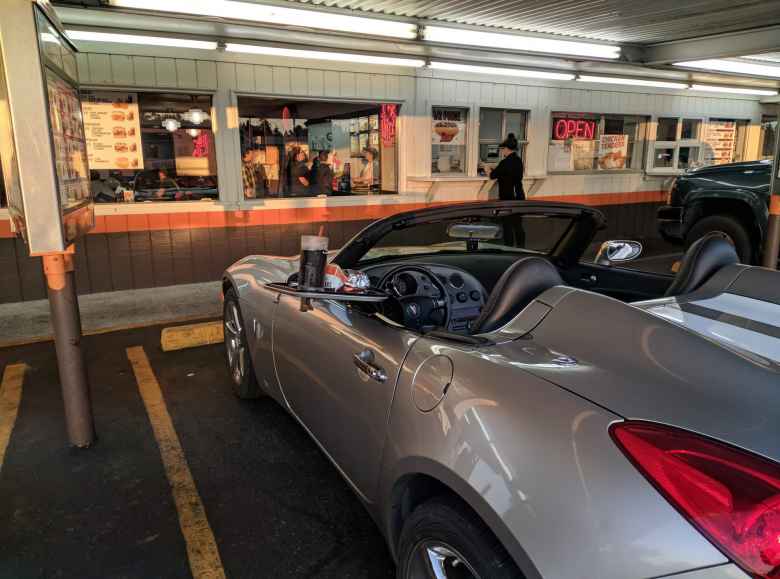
x,y
370,171
321,176
253,175
509,172
298,173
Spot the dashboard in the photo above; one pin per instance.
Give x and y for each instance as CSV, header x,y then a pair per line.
x,y
465,293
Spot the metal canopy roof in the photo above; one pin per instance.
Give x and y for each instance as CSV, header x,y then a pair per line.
x,y
626,21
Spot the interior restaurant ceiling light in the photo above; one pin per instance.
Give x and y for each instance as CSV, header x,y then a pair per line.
x,y
88,35
736,66
521,43
320,55
524,73
632,81
277,15
735,89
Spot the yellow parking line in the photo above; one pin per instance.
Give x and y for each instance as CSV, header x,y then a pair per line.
x,y
202,551
10,396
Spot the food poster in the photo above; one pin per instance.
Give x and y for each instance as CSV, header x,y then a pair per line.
x,y
583,154
613,152
448,133
70,152
113,130
720,142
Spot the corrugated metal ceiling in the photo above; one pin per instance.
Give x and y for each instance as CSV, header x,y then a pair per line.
x,y
632,21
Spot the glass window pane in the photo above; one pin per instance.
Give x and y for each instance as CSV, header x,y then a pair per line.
x,y
448,140
490,121
150,146
316,148
768,137
667,129
689,157
515,123
663,157
690,129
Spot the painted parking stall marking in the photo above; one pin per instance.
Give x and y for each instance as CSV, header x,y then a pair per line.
x,y
10,396
202,552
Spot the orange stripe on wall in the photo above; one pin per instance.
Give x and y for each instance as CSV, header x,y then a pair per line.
x,y
288,216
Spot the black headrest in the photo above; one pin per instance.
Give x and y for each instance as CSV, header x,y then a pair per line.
x,y
704,258
520,284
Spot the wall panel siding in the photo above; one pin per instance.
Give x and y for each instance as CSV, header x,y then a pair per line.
x,y
100,68
186,73
264,79
207,74
143,69
245,78
122,70
165,72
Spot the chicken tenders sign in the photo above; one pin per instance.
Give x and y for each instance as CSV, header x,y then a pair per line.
x,y
113,130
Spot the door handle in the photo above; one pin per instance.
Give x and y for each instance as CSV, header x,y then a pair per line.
x,y
365,363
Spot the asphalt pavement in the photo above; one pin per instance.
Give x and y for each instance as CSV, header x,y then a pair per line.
x,y
275,506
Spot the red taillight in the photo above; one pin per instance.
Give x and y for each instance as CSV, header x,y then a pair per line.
x,y
730,495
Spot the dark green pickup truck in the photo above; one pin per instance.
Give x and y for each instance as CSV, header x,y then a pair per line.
x,y
732,199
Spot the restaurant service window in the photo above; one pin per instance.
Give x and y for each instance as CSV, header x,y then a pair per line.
x,y
448,140
587,142
678,145
297,148
494,126
768,138
145,146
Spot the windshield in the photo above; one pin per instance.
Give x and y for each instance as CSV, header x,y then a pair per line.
x,y
517,233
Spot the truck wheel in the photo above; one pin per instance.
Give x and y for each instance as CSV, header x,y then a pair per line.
x,y
239,360
731,228
443,539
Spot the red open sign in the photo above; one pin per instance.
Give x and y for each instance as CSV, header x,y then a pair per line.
x,y
564,129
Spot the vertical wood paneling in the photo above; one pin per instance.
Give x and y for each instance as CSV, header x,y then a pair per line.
x,y
207,74
162,257
186,73
122,70
378,86
299,83
165,72
98,262
347,84
99,68
82,63
226,75
281,83
182,256
435,87
363,85
121,265
393,87
332,84
143,70
316,82
245,78
264,80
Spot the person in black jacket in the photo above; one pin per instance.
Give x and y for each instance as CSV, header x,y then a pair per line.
x,y
509,172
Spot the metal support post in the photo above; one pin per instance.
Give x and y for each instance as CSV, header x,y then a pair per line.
x,y
66,322
772,245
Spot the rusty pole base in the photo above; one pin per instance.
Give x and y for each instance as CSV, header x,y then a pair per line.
x,y
66,322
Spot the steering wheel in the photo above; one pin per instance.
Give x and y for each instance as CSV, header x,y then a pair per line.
x,y
417,309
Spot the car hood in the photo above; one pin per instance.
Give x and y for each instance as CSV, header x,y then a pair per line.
x,y
653,363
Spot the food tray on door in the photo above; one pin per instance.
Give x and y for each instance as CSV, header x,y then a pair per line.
x,y
363,295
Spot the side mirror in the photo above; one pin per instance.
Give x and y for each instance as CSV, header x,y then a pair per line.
x,y
618,251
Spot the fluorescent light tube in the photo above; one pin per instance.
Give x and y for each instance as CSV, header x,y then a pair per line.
x,y
632,81
502,71
734,89
319,55
737,66
91,36
277,15
520,43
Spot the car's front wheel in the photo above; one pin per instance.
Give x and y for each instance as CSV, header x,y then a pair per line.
x,y
239,362
443,539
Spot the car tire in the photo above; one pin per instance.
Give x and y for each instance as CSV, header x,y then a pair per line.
x,y
732,228
443,530
239,360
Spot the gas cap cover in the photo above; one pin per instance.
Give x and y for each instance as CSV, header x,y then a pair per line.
x,y
430,382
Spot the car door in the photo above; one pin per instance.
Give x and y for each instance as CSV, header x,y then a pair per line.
x,y
337,367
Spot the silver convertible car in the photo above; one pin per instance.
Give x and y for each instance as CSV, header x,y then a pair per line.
x,y
504,407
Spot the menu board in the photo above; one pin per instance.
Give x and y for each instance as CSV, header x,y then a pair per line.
x,y
70,154
613,151
113,130
720,142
